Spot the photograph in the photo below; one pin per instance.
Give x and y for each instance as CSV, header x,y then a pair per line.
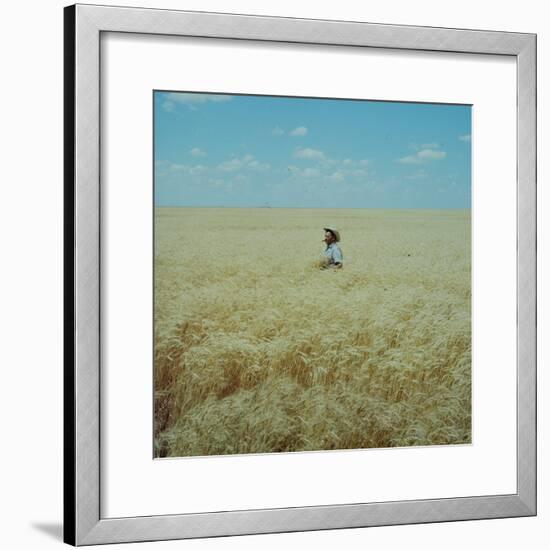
x,y
275,275
312,274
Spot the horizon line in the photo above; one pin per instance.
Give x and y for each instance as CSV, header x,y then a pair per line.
x,y
319,207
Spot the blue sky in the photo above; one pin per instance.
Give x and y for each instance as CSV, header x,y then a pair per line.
x,y
243,151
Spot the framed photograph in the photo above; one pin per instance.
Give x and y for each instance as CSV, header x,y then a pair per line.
x,y
300,274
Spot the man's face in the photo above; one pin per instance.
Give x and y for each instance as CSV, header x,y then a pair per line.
x,y
329,237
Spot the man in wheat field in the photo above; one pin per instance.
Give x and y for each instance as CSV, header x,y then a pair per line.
x,y
332,256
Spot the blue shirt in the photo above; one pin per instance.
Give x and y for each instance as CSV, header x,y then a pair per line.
x,y
334,254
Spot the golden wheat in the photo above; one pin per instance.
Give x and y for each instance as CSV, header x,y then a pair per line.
x,y
257,350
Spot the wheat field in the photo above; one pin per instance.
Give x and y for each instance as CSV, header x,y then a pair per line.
x,y
257,350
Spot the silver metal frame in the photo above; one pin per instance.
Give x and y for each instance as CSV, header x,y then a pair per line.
x,y
83,25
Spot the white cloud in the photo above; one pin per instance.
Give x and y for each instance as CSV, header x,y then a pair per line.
x,y
196,152
337,176
260,166
309,172
307,153
410,159
420,174
431,154
248,162
231,165
465,137
277,131
424,155
194,99
300,131
197,169
349,162
191,100
173,171
174,167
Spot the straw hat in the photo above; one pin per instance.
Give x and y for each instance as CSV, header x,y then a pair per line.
x,y
334,231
